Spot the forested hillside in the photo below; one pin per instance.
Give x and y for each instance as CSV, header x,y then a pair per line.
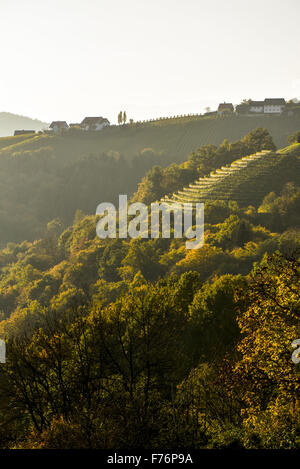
x,y
44,176
150,231
127,343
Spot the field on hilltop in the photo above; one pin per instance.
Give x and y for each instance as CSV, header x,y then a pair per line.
x,y
173,139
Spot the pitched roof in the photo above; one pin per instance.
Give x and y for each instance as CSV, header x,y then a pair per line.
x,y
275,101
242,107
94,120
58,124
225,106
257,103
21,132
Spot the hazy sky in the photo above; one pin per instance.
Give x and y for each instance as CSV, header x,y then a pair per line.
x,y
67,59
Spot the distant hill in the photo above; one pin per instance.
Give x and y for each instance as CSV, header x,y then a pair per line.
x,y
10,122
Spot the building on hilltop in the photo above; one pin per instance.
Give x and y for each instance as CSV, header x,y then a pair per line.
x,y
23,132
94,123
242,108
274,106
268,106
256,107
58,126
225,108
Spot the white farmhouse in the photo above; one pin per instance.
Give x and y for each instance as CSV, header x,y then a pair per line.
x,y
268,106
274,106
58,126
94,123
257,107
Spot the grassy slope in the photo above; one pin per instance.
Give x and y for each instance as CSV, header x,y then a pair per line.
x,y
10,142
176,138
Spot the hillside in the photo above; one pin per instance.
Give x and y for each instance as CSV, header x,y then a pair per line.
x,y
171,139
104,335
246,180
10,122
43,177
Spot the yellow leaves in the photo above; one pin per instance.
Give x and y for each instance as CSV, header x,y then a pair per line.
x,y
67,298
127,273
58,269
43,354
269,324
248,250
197,258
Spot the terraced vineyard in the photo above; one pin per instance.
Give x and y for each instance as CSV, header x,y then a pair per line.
x,y
247,180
